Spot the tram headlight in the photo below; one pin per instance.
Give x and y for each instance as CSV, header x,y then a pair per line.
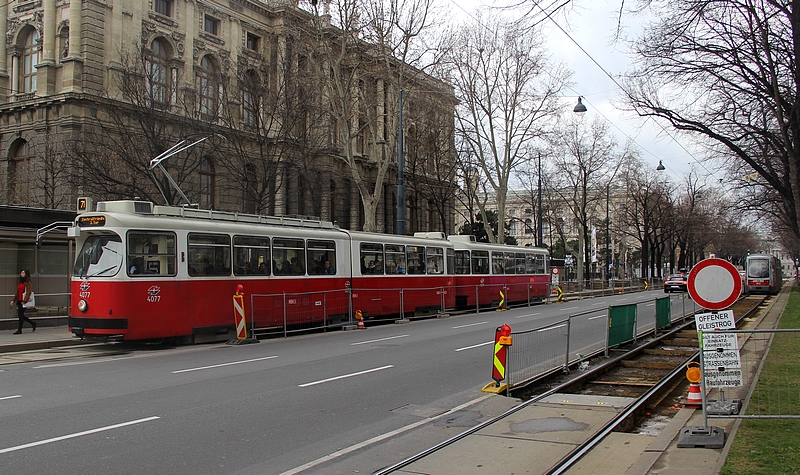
x,y
83,305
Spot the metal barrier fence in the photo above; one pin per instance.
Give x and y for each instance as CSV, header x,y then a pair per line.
x,y
557,346
770,386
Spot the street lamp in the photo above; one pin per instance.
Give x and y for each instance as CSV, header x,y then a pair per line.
x,y
660,166
579,107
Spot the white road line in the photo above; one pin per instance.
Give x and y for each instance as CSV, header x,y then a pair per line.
x,y
599,303
336,378
599,316
475,346
569,308
529,315
79,363
470,325
77,434
552,328
381,437
10,397
649,305
375,341
223,364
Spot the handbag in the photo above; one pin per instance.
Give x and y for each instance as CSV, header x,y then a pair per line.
x,y
31,303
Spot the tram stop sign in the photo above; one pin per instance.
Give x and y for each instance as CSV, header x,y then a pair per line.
x,y
714,284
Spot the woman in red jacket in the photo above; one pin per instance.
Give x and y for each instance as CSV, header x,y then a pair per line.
x,y
23,294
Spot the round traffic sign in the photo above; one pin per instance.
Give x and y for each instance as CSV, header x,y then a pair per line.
x,y
714,284
554,270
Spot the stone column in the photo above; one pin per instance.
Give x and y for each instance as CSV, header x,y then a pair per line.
x,y
4,82
355,205
73,63
45,70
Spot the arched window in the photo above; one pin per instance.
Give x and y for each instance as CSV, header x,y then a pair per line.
x,y
30,58
19,175
250,99
208,88
158,72
208,179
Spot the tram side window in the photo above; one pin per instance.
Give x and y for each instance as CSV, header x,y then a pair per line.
x,y
415,259
451,260
395,259
480,262
209,254
251,255
462,262
498,263
371,258
288,256
151,253
434,260
540,266
321,256
530,264
511,266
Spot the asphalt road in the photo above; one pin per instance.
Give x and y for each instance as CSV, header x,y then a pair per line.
x,y
337,402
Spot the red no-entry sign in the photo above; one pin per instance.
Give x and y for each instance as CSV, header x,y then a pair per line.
x,y
714,284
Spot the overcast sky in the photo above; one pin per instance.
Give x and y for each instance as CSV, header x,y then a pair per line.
x,y
591,24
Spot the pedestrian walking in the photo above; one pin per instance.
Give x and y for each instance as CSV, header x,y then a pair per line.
x,y
22,296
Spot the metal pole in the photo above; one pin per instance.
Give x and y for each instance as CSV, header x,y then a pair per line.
x,y
566,357
477,305
539,236
401,193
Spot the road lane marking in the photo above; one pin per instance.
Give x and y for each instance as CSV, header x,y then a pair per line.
x,y
79,363
382,437
470,325
375,341
223,364
599,303
336,378
599,316
569,308
649,305
475,346
10,397
529,315
77,434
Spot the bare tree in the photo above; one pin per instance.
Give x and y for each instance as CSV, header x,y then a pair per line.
x,y
586,162
508,93
365,53
727,72
132,125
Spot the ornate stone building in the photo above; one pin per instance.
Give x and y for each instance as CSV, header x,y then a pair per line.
x,y
91,91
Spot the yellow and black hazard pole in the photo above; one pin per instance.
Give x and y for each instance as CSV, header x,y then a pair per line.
x,y
502,305
502,340
560,294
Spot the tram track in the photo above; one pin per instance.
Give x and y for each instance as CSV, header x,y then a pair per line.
x,y
649,376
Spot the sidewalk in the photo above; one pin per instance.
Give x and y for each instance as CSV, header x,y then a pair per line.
x,y
43,337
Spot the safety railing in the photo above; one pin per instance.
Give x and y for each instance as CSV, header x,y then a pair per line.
x,y
560,345
765,383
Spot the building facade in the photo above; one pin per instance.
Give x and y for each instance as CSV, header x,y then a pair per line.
x,y
91,91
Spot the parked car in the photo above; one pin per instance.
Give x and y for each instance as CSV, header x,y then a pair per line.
x,y
675,283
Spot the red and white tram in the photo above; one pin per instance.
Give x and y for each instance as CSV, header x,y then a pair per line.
x,y
144,271
484,270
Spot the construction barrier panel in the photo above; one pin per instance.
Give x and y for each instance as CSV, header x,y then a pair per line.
x,y
621,324
663,312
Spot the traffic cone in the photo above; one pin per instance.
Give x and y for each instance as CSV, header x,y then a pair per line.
x,y
694,399
360,319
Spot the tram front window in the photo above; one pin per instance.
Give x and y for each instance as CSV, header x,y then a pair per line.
x,y
100,256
